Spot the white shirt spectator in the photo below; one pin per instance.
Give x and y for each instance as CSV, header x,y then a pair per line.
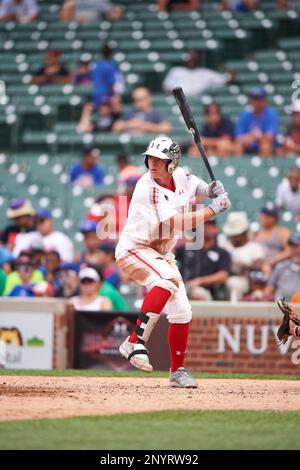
x,y
245,256
25,10
193,81
57,241
96,305
89,10
61,243
286,198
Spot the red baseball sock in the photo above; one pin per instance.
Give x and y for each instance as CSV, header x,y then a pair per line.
x,y
178,338
154,302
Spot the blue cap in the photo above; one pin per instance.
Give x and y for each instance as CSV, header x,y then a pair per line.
x,y
68,267
44,213
258,92
270,209
107,247
88,226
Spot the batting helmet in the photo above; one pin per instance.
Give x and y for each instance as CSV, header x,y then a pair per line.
x,y
166,149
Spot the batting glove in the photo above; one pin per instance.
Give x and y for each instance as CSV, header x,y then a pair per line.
x,y
215,188
221,203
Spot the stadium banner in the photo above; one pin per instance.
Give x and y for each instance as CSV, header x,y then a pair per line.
x,y
240,338
98,335
28,339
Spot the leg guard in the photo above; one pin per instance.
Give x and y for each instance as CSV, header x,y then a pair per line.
x,y
148,322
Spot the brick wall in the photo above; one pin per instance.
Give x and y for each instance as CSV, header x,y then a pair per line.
x,y
240,344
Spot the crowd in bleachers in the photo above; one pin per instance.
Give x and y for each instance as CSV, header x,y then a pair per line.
x,y
235,262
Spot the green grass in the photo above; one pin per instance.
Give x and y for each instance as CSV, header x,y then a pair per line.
x,y
159,430
107,373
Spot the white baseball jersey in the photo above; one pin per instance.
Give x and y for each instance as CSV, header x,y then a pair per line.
x,y
152,204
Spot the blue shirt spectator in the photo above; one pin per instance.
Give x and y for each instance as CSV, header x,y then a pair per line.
x,y
216,124
217,132
104,75
22,291
256,129
88,173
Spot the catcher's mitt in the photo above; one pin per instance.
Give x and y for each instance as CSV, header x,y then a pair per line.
x,y
289,314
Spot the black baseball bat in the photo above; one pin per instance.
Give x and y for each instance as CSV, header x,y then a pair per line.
x,y
191,125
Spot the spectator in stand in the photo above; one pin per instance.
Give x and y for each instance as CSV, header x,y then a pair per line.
x,y
257,128
217,133
126,168
288,192
53,239
193,78
13,278
52,263
37,253
243,6
142,118
88,173
99,120
289,4
206,271
285,279
108,265
178,5
89,11
291,143
45,234
21,11
21,214
69,286
83,74
66,280
246,255
91,280
105,75
54,71
24,285
257,285
272,237
90,254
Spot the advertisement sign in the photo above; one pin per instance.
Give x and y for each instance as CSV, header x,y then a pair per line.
x,y
98,336
28,340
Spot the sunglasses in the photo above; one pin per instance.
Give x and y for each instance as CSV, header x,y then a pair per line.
x,y
23,268
87,281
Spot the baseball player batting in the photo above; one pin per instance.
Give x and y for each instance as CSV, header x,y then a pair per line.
x,y
161,199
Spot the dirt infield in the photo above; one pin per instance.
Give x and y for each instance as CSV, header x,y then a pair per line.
x,y
52,397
